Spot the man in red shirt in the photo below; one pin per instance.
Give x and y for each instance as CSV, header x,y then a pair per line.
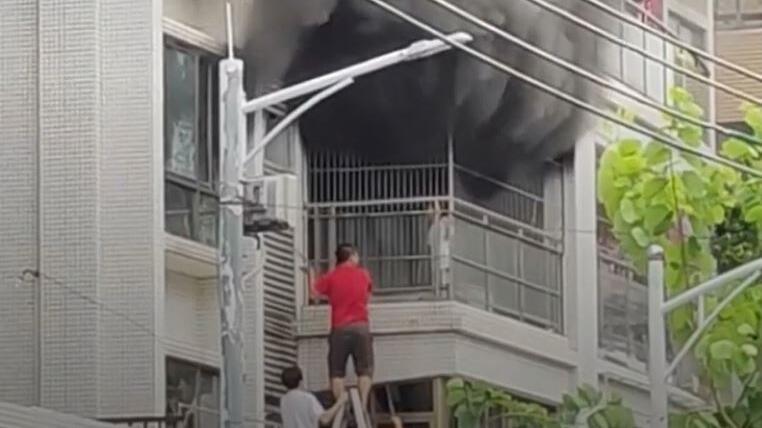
x,y
347,288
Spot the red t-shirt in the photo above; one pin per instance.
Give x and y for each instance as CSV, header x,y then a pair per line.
x,y
348,288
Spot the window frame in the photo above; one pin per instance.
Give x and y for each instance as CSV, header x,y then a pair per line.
x,y
738,19
199,369
205,184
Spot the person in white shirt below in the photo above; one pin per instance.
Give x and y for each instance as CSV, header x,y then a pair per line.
x,y
301,409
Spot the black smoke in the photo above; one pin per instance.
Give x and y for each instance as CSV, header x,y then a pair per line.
x,y
500,125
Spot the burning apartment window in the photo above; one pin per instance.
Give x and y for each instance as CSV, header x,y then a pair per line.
x,y
190,142
193,399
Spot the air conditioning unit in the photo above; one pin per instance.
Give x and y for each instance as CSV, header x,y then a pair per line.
x,y
270,203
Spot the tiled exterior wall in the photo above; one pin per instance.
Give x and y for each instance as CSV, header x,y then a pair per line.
x,y
68,120
191,320
18,193
96,232
130,206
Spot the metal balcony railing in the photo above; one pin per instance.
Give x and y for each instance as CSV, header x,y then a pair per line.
x,y
423,235
623,311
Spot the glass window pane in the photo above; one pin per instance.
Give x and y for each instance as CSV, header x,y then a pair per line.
x,y
207,220
178,207
181,387
203,120
180,79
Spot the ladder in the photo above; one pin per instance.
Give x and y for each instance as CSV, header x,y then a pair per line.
x,y
356,408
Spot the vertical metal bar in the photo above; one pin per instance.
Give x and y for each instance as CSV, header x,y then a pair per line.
x,y
449,287
657,361
232,153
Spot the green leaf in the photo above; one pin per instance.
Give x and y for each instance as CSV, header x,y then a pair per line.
x,y
654,186
628,146
656,153
750,349
722,349
754,215
640,237
630,165
655,215
736,149
694,184
717,214
627,209
753,118
691,135
745,330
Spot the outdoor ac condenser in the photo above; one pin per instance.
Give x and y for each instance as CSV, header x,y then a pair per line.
x,y
270,204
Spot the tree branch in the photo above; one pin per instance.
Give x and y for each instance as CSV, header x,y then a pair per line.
x,y
721,408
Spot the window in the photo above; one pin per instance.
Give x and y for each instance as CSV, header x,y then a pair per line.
x,y
731,14
193,394
190,143
628,66
693,35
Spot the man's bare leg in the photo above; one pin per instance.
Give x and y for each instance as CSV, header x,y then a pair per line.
x,y
337,387
364,384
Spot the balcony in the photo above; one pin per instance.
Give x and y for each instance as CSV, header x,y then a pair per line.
x,y
424,235
623,312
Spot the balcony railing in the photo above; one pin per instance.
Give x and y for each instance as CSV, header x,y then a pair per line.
x,y
623,311
147,422
423,235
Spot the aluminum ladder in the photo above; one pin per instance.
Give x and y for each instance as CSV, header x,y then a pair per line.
x,y
357,409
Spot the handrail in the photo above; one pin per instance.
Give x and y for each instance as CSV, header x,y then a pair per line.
x,y
499,183
513,222
507,276
718,281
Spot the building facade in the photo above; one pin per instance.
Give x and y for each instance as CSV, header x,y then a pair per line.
x,y
108,276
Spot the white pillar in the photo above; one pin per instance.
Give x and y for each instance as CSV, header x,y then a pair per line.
x,y
657,353
584,252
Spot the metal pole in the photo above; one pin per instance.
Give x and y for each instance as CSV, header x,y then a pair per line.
x,y
657,360
232,152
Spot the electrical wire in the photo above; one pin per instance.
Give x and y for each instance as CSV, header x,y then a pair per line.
x,y
664,29
644,53
577,70
544,87
675,41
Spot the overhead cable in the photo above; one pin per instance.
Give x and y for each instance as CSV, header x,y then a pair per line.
x,y
643,52
675,41
660,137
575,69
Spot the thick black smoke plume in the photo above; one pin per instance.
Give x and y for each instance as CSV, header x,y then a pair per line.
x,y
405,113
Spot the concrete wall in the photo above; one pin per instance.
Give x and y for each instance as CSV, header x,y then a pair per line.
x,y
19,203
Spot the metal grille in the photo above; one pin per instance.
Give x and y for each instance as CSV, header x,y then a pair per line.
x,y
507,248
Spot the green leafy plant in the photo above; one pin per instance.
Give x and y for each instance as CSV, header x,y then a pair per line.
x,y
707,217
474,404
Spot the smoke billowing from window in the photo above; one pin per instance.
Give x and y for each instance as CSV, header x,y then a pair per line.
x,y
402,114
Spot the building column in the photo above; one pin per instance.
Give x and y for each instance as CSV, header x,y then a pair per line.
x,y
101,207
584,252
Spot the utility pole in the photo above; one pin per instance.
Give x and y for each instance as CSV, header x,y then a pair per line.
x,y
232,153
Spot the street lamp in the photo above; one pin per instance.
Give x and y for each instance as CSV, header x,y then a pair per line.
x,y
233,158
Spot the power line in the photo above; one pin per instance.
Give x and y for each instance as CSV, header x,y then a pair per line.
x,y
544,87
575,69
643,52
675,41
